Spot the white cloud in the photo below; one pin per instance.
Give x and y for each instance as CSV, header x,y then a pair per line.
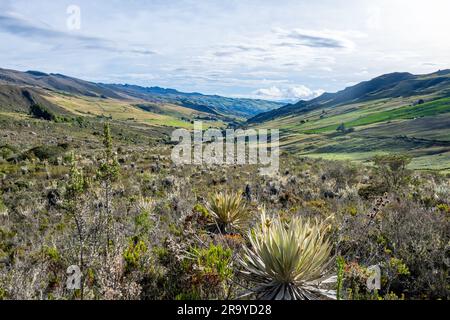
x,y
294,93
288,49
228,47
319,39
16,24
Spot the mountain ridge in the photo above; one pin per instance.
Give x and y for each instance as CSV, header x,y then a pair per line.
x,y
214,104
391,85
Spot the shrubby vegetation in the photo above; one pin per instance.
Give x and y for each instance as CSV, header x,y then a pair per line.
x,y
109,200
40,112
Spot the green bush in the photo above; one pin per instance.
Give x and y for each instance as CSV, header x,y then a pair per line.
x,y
443,207
214,261
134,254
41,112
7,150
372,191
47,152
392,169
52,254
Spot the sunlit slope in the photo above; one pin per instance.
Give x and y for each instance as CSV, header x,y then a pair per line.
x,y
388,86
400,125
133,111
217,105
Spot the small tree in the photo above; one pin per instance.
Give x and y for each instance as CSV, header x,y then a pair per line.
x,y
108,173
341,128
76,187
393,169
41,112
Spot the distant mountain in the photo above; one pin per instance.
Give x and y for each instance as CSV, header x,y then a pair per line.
x,y
197,101
394,113
391,85
213,104
56,82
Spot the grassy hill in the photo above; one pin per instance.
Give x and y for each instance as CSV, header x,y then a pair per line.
x,y
134,111
394,85
396,113
393,113
19,99
243,108
216,105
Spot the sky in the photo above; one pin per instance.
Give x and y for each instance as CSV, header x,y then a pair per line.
x,y
278,50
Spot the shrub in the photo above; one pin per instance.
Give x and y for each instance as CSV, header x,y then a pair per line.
x,y
3,294
41,112
441,207
52,254
285,261
214,260
340,276
393,169
343,129
372,191
143,221
355,281
134,254
399,267
7,150
408,241
200,209
46,152
344,173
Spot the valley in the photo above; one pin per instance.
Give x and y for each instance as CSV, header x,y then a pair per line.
x,y
373,126
380,116
87,180
204,158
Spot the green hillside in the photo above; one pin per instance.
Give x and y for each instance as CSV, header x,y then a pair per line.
x,y
416,122
212,104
